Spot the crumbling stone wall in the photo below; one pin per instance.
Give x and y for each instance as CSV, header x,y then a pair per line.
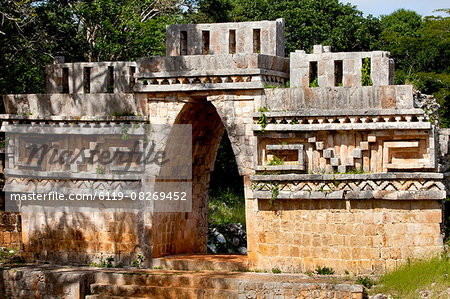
x,y
264,37
87,77
444,156
444,143
339,69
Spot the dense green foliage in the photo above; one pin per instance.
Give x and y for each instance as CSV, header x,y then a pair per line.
x,y
421,49
365,73
226,207
32,33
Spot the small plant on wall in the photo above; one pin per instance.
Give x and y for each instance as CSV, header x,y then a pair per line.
x,y
314,83
324,271
275,161
275,188
263,118
138,262
365,73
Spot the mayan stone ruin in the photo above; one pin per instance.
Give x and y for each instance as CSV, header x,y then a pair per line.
x,y
335,173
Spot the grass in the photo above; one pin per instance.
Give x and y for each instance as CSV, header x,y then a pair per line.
x,y
416,276
351,171
226,207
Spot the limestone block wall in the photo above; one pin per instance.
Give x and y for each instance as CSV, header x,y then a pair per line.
x,y
73,105
42,282
335,98
264,37
82,237
10,230
212,65
339,69
360,236
90,77
74,231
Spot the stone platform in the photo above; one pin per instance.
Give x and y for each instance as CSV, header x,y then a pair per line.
x,y
45,281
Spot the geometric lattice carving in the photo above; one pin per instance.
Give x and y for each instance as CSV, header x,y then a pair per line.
x,y
403,155
299,164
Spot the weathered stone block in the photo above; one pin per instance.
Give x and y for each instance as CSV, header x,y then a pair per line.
x,y
357,153
335,161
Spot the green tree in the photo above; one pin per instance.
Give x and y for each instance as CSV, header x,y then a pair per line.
x,y
210,11
327,22
23,52
420,47
124,29
400,36
308,22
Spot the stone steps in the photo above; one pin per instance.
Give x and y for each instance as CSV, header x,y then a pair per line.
x,y
49,281
134,291
164,284
199,262
160,283
164,278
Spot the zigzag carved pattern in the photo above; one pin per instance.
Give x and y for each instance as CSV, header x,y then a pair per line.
x,y
381,185
76,184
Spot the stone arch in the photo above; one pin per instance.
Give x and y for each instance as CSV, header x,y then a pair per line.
x,y
182,232
235,114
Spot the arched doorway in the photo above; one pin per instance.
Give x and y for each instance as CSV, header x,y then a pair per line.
x,y
186,232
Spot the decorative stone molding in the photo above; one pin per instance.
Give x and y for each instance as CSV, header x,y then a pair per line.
x,y
393,186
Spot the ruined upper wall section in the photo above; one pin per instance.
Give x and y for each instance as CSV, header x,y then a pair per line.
x,y
327,69
264,37
91,77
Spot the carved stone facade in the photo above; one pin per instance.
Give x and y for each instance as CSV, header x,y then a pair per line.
x,y
335,173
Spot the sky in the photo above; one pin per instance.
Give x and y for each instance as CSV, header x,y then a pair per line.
x,y
385,7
